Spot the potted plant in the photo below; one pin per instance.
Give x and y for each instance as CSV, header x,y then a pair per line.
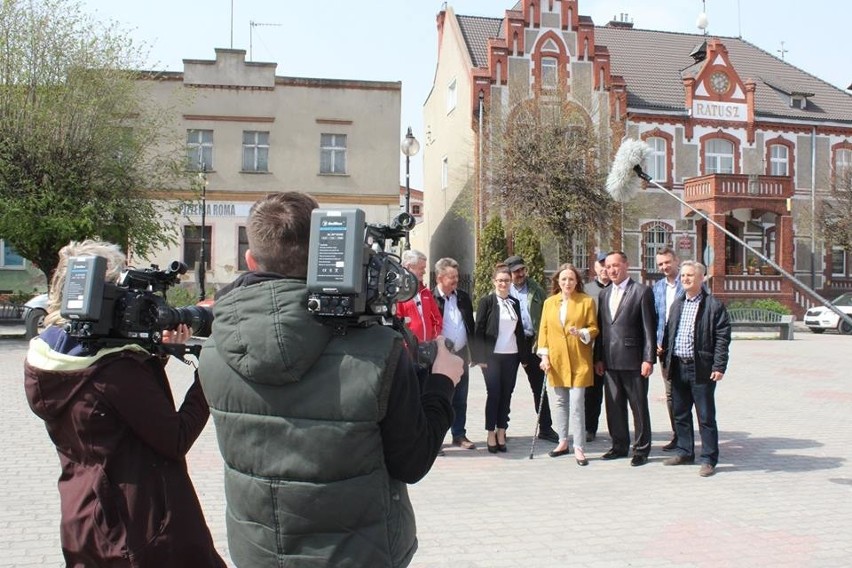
x,y
752,266
768,270
736,269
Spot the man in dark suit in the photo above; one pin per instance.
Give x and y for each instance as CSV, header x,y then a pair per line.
x,y
457,311
626,350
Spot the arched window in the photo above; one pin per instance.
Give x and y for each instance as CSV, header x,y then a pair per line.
x,y
719,156
655,163
843,166
779,160
655,235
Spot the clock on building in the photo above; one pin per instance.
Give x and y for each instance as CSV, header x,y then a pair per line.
x,y
719,82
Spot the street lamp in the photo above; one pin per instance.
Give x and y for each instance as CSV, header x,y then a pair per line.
x,y
202,268
409,147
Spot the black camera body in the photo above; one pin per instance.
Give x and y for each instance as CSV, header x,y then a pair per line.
x,y
133,311
353,280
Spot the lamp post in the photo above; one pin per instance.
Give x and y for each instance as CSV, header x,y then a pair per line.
x,y
202,267
409,147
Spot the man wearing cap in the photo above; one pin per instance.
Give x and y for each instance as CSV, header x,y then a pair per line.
x,y
594,394
531,298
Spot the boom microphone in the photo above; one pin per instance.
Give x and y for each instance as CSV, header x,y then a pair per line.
x,y
625,180
625,177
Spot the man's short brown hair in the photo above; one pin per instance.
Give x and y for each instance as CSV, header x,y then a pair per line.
x,y
279,230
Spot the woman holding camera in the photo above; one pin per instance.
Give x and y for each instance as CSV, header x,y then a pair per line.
x,y
126,497
498,340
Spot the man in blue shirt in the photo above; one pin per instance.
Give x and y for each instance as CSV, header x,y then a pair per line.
x,y
666,289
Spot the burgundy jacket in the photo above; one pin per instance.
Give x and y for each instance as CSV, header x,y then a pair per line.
x,y
126,496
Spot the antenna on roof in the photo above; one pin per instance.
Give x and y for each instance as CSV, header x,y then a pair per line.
x,y
702,22
252,25
782,51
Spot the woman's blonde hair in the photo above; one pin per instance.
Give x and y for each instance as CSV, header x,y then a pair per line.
x,y
116,262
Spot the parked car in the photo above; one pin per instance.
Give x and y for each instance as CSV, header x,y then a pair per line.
x,y
34,312
821,318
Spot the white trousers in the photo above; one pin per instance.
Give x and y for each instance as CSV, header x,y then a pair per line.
x,y
568,407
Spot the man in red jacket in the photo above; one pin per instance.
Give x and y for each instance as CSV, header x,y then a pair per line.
x,y
420,313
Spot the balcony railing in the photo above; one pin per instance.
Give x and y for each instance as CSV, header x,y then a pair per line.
x,y
737,186
752,284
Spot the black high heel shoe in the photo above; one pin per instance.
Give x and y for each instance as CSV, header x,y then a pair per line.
x,y
501,447
492,449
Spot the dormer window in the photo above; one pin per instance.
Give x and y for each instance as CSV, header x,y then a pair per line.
x,y
799,99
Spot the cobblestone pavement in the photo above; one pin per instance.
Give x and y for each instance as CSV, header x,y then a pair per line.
x,y
782,495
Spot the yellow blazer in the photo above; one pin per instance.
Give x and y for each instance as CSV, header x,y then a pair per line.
x,y
570,358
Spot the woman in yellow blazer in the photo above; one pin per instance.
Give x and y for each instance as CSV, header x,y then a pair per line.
x,y
569,324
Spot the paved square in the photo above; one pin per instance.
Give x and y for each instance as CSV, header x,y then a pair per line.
x,y
782,495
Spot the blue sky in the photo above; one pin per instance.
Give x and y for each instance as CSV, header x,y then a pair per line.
x,y
396,40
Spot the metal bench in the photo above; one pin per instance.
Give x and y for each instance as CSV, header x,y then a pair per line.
x,y
760,318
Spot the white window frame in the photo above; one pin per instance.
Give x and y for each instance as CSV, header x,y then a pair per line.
x,y
445,172
718,161
4,248
199,149
452,95
842,164
579,250
835,251
333,148
256,151
654,237
549,73
779,160
656,160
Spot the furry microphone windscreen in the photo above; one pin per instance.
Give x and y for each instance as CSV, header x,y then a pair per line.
x,y
623,182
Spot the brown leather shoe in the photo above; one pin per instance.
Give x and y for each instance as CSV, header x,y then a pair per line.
x,y
464,443
707,470
679,460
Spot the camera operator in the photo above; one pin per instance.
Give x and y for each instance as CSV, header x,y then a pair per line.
x,y
319,432
125,493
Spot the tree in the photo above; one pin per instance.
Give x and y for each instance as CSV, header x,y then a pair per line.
x,y
548,169
81,146
835,213
491,252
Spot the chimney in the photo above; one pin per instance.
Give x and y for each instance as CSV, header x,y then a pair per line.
x,y
622,22
442,15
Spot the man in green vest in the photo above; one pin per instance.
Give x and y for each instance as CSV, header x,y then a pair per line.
x,y
320,433
531,298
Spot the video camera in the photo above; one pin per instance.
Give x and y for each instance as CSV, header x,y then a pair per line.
x,y
354,281
133,311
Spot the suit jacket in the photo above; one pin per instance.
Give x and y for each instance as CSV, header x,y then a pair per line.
x,y
570,358
432,316
488,326
712,336
660,303
629,337
465,307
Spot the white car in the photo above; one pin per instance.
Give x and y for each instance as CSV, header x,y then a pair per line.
x,y
34,312
821,318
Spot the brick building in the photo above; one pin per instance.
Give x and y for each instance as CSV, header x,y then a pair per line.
x,y
750,140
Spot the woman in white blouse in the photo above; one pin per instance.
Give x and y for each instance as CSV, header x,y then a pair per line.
x,y
498,340
568,325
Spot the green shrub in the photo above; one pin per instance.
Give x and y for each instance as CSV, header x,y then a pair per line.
x,y
763,303
492,251
179,296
